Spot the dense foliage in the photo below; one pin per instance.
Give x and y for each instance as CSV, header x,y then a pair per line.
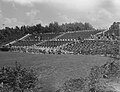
x,y
73,85
96,80
114,29
17,79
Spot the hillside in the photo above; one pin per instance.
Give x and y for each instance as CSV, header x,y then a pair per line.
x,y
55,67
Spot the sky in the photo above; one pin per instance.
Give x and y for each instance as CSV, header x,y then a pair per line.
x,y
99,13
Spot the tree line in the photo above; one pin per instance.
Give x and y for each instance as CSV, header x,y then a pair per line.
x,y
9,34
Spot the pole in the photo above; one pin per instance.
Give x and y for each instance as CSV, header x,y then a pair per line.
x,y
119,39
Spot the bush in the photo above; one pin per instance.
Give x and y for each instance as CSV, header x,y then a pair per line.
x,y
99,75
96,80
111,70
17,79
73,85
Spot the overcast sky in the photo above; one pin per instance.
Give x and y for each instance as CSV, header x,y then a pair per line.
x,y
100,13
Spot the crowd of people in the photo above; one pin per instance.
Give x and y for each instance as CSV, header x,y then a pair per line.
x,y
37,50
93,47
84,47
53,44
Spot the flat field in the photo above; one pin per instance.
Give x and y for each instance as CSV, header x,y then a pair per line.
x,y
55,68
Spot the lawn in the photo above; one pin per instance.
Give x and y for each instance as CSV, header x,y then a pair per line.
x,y
55,68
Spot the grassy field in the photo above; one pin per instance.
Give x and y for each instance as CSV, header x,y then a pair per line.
x,y
55,68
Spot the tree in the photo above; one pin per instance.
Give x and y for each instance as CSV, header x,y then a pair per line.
x,y
88,26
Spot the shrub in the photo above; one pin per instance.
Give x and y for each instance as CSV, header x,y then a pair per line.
x,y
99,75
111,70
17,79
73,85
96,80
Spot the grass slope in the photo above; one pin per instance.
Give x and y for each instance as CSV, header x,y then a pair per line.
x,y
55,68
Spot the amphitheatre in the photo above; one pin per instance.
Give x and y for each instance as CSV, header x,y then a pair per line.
x,y
64,55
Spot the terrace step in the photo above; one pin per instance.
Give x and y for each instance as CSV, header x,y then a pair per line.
x,y
57,37
51,39
18,39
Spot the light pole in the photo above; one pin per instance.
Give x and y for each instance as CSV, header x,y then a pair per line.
x,y
119,39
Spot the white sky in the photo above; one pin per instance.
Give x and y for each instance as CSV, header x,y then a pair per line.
x,y
100,13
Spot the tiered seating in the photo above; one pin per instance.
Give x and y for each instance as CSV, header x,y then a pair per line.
x,y
25,43
68,42
41,37
34,39
82,34
53,43
68,37
93,47
48,36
